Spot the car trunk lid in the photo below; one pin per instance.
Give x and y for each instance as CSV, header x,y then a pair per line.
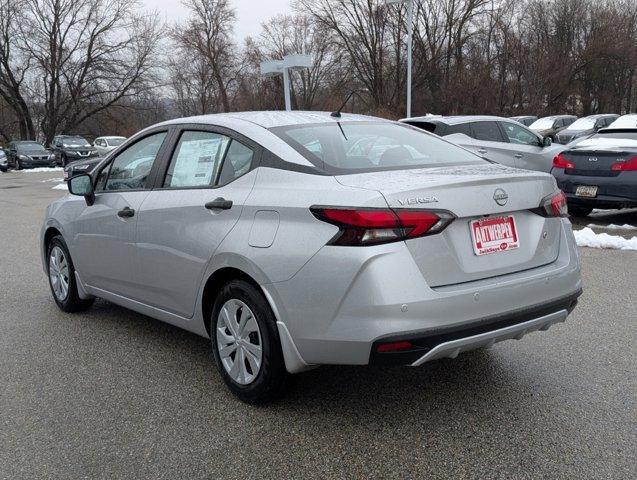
x,y
471,193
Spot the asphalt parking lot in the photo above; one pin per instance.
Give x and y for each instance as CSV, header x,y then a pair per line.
x,y
113,394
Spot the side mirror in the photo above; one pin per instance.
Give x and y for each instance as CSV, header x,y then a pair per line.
x,y
82,186
547,142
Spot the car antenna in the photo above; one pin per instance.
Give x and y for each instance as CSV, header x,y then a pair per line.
x,y
337,113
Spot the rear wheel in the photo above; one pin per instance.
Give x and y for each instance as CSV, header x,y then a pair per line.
x,y
62,277
246,344
577,211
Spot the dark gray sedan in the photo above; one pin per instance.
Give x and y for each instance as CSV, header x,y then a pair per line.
x,y
600,172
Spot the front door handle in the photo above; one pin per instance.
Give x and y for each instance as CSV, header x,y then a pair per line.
x,y
482,151
219,204
518,155
126,212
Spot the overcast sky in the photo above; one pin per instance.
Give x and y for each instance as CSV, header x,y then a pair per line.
x,y
250,13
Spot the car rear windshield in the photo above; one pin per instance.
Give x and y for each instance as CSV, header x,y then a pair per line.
x,y
353,147
115,142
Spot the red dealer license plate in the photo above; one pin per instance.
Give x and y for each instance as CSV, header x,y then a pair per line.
x,y
495,234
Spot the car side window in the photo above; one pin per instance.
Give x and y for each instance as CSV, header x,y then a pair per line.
x,y
196,160
237,162
519,135
130,169
460,128
487,131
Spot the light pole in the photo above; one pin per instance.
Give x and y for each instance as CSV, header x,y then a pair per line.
x,y
410,34
277,67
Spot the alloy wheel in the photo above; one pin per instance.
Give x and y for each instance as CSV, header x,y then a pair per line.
x,y
239,342
59,273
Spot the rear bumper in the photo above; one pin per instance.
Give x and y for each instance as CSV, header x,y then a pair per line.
x,y
383,296
448,343
613,192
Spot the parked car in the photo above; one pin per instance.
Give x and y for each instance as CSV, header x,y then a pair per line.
x,y
104,145
277,236
81,166
29,154
551,126
525,120
4,162
601,172
585,127
498,139
69,148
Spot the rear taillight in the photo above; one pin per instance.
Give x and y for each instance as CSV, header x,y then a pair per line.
x,y
629,165
372,226
561,162
554,205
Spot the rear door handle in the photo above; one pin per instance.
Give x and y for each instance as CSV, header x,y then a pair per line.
x,y
482,150
219,204
126,212
518,155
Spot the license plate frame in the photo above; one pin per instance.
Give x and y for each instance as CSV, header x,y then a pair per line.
x,y
494,235
586,191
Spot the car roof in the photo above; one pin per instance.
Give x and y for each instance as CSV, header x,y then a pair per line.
x,y
272,119
456,119
557,117
110,136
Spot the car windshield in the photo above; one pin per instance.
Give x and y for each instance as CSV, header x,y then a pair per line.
x,y
74,142
30,147
543,124
115,142
582,124
366,146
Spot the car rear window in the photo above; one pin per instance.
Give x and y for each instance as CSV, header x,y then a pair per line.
x,y
352,147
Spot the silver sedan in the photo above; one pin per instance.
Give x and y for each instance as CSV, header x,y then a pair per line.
x,y
294,240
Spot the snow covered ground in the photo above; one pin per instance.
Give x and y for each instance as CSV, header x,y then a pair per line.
x,y
61,186
39,170
612,227
588,238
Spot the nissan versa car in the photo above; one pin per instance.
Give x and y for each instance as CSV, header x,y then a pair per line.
x,y
601,171
294,240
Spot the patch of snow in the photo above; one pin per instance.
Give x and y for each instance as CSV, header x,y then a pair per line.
x,y
40,170
588,238
61,186
612,226
56,179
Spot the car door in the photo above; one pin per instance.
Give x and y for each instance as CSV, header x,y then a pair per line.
x,y
490,142
526,148
104,233
185,218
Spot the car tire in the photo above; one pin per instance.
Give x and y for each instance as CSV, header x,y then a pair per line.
x,y
65,293
576,211
237,302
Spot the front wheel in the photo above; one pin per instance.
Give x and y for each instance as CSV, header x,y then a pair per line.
x,y
246,344
62,277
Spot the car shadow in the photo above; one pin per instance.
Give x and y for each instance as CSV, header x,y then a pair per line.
x,y
481,376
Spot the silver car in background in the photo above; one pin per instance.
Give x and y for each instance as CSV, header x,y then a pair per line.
x,y
294,240
498,139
